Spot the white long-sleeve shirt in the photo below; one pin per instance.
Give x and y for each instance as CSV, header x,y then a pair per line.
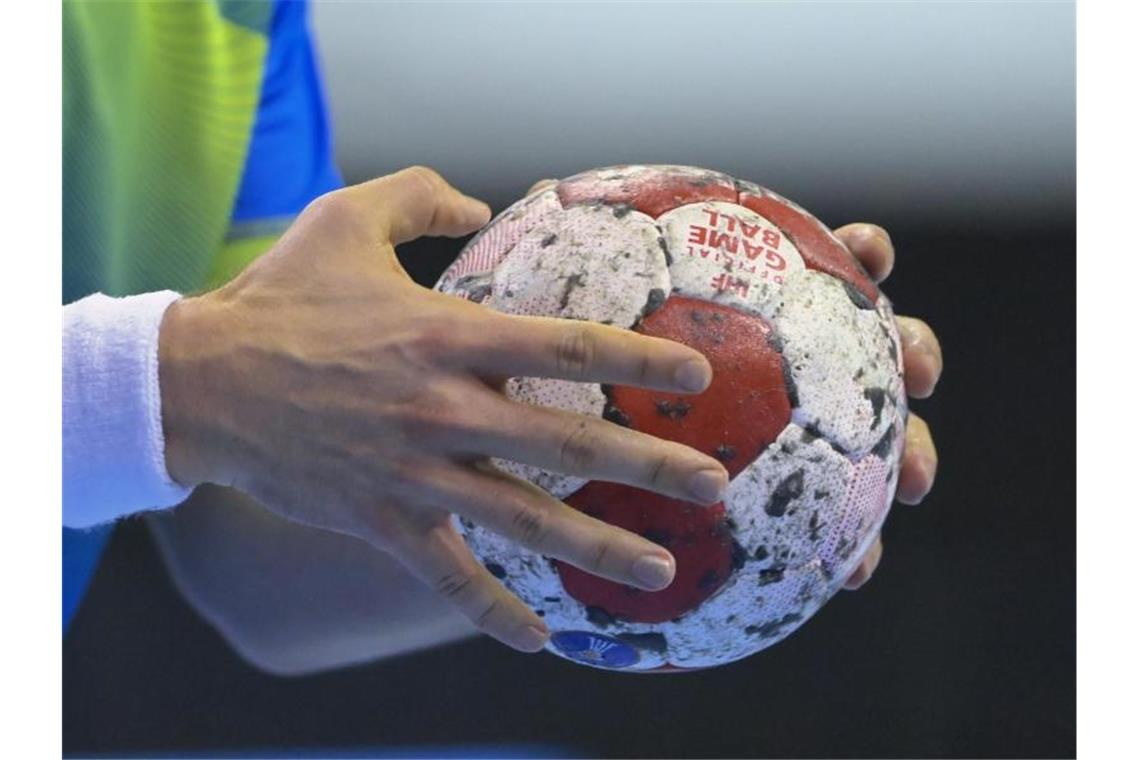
x,y
113,448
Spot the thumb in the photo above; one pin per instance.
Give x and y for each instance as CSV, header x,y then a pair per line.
x,y
417,201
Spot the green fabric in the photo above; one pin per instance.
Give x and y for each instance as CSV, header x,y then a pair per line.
x,y
159,100
235,255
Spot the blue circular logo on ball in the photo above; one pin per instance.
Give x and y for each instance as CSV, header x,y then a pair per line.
x,y
594,649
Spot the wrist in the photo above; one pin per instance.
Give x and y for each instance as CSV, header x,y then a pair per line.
x,y
185,387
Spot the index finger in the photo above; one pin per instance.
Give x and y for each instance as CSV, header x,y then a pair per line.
x,y
589,352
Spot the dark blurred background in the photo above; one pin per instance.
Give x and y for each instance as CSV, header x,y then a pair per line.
x,y
952,125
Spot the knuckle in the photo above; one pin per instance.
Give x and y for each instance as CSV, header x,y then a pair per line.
x,y
432,339
483,619
657,470
334,208
576,352
424,179
601,552
404,475
579,448
434,413
454,585
424,173
529,525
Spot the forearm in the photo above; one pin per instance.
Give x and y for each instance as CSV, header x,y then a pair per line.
x,y
113,447
292,599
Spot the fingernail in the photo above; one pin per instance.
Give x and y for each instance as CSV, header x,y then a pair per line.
x,y
708,486
876,231
531,638
693,375
653,572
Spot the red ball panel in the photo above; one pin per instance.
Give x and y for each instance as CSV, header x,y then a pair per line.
x,y
820,252
697,537
746,406
735,419
651,192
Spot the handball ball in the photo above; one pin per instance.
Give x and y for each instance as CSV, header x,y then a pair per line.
x,y
806,408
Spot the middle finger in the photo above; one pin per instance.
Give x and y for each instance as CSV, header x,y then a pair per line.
x,y
588,447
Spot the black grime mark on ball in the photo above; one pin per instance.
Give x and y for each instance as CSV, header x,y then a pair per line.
x,y
649,642
552,599
858,297
883,448
739,555
844,548
892,347
709,579
573,282
496,569
760,554
674,410
814,527
479,293
789,489
622,210
770,575
549,240
654,302
789,382
877,397
616,415
599,617
725,453
772,627
658,536
665,249
813,430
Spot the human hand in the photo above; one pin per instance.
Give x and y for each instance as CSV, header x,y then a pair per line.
x,y
327,385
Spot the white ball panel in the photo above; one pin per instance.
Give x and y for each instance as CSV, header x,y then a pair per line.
x,y
469,276
591,262
840,358
728,254
584,398
528,575
784,503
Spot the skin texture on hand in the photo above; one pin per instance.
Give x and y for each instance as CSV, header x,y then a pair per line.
x,y
340,395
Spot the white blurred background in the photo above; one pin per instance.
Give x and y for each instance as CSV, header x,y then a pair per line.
x,y
944,111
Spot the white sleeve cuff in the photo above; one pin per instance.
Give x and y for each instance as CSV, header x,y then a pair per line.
x,y
114,461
